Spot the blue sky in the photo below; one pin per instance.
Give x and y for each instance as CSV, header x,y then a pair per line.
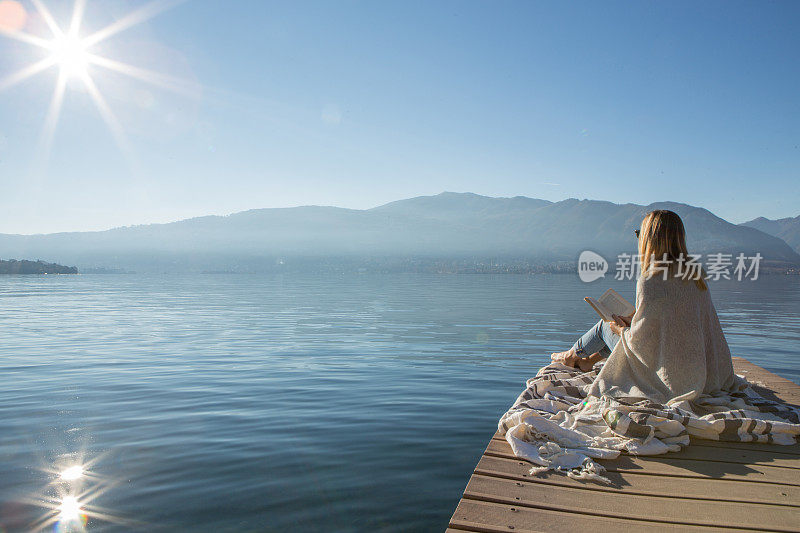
x,y
358,103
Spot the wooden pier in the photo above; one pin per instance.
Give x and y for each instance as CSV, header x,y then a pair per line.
x,y
708,486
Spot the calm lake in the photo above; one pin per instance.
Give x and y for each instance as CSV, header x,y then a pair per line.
x,y
275,403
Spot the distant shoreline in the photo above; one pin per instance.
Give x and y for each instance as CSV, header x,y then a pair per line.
x,y
24,266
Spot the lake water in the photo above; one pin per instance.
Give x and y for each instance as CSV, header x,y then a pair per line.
x,y
275,403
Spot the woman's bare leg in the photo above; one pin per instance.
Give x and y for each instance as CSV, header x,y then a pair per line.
x,y
559,357
585,364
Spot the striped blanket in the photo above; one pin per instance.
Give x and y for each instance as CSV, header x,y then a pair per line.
x,y
556,426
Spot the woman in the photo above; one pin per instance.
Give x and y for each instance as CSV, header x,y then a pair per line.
x,y
672,348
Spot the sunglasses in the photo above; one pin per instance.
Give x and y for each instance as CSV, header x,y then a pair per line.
x,y
636,231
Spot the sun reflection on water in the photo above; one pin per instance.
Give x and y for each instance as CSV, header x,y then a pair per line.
x,y
71,510
70,500
71,473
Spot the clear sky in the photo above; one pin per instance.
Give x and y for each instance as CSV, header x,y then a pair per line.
x,y
358,103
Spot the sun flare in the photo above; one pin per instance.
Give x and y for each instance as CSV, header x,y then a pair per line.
x,y
70,54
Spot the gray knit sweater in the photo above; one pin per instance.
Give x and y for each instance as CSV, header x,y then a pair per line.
x,y
674,350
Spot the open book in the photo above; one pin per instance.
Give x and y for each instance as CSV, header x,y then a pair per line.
x,y
611,303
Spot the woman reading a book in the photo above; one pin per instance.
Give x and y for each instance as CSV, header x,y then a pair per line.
x,y
671,347
668,368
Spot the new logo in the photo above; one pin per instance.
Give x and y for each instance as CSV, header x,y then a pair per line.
x,y
591,266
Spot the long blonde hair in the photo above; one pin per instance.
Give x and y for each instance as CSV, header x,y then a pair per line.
x,y
663,237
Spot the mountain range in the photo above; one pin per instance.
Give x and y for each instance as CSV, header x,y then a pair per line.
x,y
787,229
449,226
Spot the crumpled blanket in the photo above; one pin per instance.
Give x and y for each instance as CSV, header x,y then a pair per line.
x,y
557,426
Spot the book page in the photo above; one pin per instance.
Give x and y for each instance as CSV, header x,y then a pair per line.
x,y
613,303
598,307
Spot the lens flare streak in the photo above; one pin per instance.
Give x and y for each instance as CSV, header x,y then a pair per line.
x,y
25,38
48,18
105,111
53,112
142,14
27,72
163,81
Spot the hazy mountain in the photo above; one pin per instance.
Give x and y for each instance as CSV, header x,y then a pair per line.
x,y
787,229
447,226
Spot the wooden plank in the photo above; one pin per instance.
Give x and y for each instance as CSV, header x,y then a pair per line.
x,y
632,506
743,365
742,456
785,392
765,376
660,465
636,483
780,389
475,515
768,384
792,450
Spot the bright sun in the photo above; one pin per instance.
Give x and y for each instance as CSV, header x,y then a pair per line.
x,y
71,56
69,53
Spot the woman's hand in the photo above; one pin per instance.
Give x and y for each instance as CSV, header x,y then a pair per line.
x,y
618,324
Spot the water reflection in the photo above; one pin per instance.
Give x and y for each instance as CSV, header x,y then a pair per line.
x,y
71,510
67,501
65,510
172,393
71,473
